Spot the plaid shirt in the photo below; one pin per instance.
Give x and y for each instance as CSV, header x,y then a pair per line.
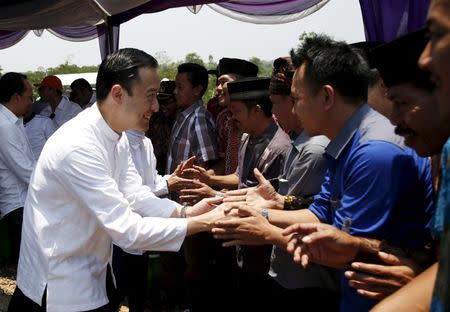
x,y
193,134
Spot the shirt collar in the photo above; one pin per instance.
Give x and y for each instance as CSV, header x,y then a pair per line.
x,y
103,126
272,128
8,114
301,139
135,138
337,145
191,108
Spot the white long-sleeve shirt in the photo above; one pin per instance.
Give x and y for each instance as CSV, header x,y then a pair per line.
x,y
16,162
65,111
144,160
84,194
38,130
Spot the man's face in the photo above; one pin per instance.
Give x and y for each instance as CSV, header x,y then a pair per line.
x,y
222,89
242,116
185,93
45,93
168,107
415,118
143,103
80,96
436,57
306,105
25,100
282,108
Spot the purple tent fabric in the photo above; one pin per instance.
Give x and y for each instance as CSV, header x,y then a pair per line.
x,y
385,20
10,38
280,7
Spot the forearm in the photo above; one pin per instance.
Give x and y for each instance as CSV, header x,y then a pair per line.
x,y
414,296
284,218
230,181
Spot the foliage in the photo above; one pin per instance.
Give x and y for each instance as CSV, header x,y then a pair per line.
x,y
167,69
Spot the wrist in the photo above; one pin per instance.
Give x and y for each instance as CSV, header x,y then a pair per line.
x,y
183,211
279,201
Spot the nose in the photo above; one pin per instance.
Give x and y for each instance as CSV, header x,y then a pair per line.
x,y
155,105
425,57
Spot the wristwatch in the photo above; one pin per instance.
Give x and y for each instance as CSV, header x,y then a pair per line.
x,y
265,213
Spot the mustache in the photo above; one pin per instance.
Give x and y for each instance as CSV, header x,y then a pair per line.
x,y
403,131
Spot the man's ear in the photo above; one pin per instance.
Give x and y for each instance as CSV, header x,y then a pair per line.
x,y
328,96
117,93
198,90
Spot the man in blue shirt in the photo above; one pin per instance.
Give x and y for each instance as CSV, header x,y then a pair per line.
x,y
375,187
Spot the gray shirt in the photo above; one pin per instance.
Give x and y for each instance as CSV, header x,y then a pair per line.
x,y
303,173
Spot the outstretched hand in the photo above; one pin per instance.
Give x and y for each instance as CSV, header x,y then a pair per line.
x,y
321,243
204,206
196,191
377,281
263,195
250,229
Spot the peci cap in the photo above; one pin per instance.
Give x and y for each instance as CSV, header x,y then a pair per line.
x,y
236,66
253,88
51,82
397,61
364,48
166,90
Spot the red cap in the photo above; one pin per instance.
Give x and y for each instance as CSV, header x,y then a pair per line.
x,y
51,82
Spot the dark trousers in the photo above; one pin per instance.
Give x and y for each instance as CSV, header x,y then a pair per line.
x,y
14,223
211,274
131,275
21,303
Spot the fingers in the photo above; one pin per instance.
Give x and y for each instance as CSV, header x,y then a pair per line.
x,y
371,294
188,163
236,192
212,200
190,198
259,176
232,199
301,228
373,269
389,258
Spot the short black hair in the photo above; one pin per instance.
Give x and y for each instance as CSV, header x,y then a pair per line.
x,y
81,83
334,63
196,74
121,67
10,84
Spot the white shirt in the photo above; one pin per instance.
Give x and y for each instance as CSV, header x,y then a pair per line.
x,y
145,162
16,162
84,193
65,111
38,130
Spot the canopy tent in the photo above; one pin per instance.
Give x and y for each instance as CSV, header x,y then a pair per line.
x,y
383,20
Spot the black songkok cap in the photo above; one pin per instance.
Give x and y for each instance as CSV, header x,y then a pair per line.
x,y
236,66
166,90
253,88
364,48
396,61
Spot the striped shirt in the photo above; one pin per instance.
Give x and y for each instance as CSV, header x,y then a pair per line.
x,y
193,134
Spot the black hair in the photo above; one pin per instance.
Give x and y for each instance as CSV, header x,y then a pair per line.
x,y
196,74
10,84
334,63
81,83
265,103
121,67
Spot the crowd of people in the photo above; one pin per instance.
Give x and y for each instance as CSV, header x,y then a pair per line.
x,y
324,187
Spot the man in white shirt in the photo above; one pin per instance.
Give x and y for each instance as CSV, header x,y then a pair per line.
x,y
85,193
16,157
38,129
82,93
60,108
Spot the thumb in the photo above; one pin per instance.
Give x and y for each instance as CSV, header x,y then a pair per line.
x,y
389,258
259,176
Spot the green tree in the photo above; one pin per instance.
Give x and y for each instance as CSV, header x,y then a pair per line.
x,y
265,67
193,58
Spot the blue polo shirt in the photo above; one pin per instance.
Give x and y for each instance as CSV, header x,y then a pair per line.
x,y
375,187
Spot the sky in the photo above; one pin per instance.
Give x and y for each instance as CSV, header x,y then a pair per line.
x,y
173,33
